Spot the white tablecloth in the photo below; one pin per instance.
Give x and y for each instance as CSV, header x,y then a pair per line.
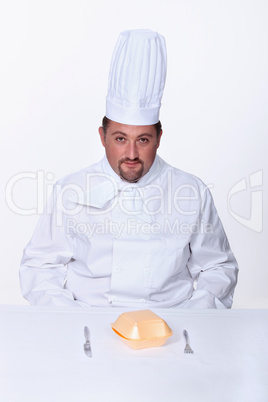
x,y
42,357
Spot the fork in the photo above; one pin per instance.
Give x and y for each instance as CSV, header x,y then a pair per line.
x,y
187,349
87,345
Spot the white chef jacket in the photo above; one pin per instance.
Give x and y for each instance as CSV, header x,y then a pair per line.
x,y
105,242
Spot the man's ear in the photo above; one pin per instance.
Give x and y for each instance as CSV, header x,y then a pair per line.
x,y
159,138
102,136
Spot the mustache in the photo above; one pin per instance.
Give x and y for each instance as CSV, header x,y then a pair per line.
x,y
130,160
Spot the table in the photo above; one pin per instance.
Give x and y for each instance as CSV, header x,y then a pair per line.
x,y
42,357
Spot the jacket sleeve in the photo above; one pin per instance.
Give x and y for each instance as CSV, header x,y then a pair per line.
x,y
211,263
43,268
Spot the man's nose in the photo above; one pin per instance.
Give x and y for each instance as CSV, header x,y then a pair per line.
x,y
132,151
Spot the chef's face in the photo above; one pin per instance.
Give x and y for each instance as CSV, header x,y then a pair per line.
x,y
130,150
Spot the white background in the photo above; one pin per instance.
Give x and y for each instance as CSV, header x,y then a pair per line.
x,y
55,58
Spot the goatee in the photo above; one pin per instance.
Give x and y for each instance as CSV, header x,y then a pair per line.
x,y
131,175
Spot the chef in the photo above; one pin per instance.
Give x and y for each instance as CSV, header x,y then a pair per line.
x,y
131,231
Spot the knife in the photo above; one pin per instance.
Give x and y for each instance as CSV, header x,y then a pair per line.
x,y
87,345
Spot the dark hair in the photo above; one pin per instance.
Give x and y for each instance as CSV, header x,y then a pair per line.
x,y
106,122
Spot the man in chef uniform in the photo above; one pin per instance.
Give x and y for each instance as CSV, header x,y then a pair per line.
x,y
131,230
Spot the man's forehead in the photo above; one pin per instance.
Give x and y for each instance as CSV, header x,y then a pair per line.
x,y
127,129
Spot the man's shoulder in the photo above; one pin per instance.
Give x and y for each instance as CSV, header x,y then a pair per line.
x,y
81,176
180,176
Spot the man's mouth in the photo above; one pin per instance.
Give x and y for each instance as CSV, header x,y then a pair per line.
x,y
131,163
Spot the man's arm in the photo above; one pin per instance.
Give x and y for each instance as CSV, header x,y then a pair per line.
x,y
43,268
212,263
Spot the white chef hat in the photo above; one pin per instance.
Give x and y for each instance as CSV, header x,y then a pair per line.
x,y
137,78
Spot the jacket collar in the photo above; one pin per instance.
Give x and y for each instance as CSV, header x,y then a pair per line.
x,y
148,178
108,184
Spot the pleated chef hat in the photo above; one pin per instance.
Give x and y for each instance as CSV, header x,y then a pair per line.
x,y
137,78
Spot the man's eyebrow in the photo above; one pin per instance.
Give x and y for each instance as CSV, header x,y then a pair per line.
x,y
118,132
145,134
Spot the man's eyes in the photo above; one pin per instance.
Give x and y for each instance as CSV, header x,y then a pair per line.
x,y
120,139
141,140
